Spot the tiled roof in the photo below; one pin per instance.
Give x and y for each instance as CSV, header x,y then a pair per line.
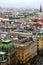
x,y
2,16
41,20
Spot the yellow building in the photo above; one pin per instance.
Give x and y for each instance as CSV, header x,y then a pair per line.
x,y
40,43
26,49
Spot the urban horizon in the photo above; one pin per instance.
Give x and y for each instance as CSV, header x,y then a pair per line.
x,y
21,3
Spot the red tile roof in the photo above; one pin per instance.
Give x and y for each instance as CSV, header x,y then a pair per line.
x,y
37,25
41,20
2,15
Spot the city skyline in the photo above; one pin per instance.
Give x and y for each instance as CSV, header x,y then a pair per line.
x,y
21,3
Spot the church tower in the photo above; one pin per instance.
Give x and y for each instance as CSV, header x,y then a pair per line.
x,y
40,8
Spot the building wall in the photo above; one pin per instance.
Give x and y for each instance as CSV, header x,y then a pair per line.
x,y
11,56
40,44
25,54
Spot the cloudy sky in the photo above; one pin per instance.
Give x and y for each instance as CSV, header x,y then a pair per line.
x,y
21,3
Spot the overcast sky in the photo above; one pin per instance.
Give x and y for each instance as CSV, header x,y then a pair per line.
x,y
21,3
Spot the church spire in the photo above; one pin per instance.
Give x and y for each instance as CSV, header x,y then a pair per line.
x,y
40,8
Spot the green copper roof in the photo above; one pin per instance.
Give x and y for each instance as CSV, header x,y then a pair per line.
x,y
6,40
6,45
40,35
31,12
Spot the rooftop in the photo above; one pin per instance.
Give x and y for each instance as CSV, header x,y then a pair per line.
x,y
40,35
6,40
6,45
20,40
